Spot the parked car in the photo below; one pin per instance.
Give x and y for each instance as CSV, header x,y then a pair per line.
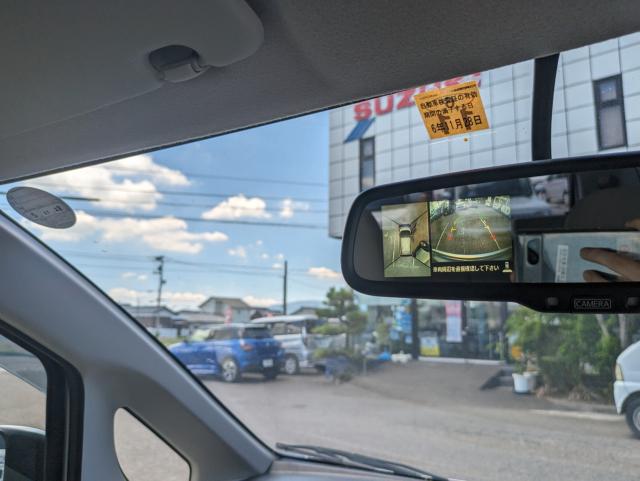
x,y
294,333
523,200
626,389
555,189
231,350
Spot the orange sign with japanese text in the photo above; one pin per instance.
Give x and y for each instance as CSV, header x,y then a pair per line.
x,y
452,110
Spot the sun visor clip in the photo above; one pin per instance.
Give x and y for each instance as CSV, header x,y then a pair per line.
x,y
177,63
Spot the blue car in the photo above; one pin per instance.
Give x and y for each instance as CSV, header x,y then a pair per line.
x,y
230,350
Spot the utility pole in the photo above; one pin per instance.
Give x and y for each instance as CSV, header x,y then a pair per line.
x,y
504,314
415,335
284,290
161,282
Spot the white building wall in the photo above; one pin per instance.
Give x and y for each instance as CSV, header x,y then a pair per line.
x,y
403,149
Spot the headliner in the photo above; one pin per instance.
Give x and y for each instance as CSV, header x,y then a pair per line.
x,y
315,54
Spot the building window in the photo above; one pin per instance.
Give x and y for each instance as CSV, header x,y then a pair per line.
x,y
367,163
610,112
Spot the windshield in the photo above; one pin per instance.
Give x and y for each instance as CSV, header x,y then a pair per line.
x,y
196,241
200,335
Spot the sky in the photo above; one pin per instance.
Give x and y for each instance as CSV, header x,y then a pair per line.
x,y
194,204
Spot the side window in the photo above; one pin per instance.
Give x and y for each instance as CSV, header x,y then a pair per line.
x,y
278,329
294,329
142,455
226,333
595,104
23,384
220,334
367,163
610,119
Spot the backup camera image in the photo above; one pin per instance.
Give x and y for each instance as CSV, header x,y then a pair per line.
x,y
405,240
472,230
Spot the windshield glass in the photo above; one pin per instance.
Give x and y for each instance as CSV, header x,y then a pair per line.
x,y
200,335
196,241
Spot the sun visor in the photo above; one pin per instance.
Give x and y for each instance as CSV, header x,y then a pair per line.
x,y
102,52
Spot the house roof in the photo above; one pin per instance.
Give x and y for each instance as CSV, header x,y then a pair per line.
x,y
195,316
143,311
231,301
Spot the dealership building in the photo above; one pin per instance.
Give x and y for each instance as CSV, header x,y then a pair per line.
x,y
596,109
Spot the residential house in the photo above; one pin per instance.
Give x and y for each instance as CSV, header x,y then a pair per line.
x,y
231,309
162,319
198,319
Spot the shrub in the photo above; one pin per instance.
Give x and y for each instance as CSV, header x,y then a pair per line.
x,y
330,329
573,352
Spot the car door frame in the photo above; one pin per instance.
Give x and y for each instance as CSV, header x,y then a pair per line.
x,y
121,365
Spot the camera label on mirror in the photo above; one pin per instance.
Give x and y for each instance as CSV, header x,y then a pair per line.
x,y
592,304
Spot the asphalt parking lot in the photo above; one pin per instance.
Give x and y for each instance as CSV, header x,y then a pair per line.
x,y
432,416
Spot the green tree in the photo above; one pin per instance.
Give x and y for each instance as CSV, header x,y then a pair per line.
x,y
571,351
340,303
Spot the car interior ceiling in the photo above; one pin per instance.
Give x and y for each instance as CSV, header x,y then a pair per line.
x,y
313,55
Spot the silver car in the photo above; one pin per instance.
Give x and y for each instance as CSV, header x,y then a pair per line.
x,y
294,333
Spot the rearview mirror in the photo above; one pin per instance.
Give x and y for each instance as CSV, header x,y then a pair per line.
x,y
560,236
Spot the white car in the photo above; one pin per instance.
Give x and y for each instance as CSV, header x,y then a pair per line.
x,y
294,333
626,389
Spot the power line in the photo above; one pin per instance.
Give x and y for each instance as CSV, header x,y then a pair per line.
x,y
222,177
170,260
186,271
123,215
108,214
174,192
180,204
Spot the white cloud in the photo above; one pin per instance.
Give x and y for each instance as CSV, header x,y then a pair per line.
x,y
237,207
277,265
165,233
174,299
133,275
145,164
237,252
289,206
323,273
85,226
260,301
259,242
264,256
279,256
112,187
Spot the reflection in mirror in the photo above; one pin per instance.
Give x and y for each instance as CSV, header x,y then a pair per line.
x,y
570,227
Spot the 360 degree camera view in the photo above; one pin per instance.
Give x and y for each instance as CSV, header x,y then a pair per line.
x,y
405,240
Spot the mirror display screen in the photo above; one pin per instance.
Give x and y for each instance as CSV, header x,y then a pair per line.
x,y
469,235
559,228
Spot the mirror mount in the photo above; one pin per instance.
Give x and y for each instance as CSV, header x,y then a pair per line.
x,y
364,267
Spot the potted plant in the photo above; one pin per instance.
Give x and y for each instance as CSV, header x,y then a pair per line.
x,y
520,380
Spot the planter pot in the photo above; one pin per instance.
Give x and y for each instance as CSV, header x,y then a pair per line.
x,y
520,384
531,378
